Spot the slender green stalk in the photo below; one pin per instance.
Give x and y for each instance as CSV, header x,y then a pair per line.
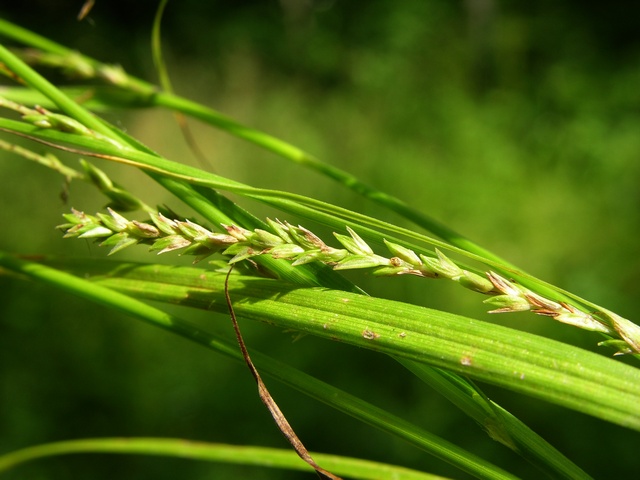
x,y
212,452
49,160
499,424
156,49
279,370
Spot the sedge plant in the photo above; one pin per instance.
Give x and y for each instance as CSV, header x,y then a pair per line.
x,y
288,277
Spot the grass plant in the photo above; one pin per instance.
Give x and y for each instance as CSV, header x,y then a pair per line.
x,y
287,277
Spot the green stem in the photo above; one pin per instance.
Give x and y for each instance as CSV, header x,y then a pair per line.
x,y
499,424
213,452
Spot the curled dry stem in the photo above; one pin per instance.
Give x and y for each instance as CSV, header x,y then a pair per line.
x,y
281,421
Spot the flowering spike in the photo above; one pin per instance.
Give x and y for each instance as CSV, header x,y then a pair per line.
x,y
302,246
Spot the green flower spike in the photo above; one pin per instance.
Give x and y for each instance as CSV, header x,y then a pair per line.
x,y
301,246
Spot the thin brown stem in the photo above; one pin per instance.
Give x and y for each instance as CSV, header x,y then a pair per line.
x,y
268,400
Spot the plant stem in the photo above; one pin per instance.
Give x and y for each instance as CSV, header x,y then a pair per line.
x,y
212,452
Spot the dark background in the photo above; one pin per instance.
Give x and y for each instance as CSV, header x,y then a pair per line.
x,y
516,123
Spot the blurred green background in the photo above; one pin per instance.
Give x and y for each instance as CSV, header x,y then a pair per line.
x,y
516,123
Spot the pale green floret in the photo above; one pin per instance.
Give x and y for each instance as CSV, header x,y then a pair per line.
x,y
391,271
362,261
333,255
95,231
354,244
280,229
39,120
287,250
503,285
404,253
361,244
96,176
164,224
76,65
241,234
629,331
303,237
56,121
508,303
475,282
111,222
121,199
119,241
113,74
307,257
240,252
119,220
312,239
193,231
266,239
442,265
169,244
142,230
426,268
581,320
199,250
